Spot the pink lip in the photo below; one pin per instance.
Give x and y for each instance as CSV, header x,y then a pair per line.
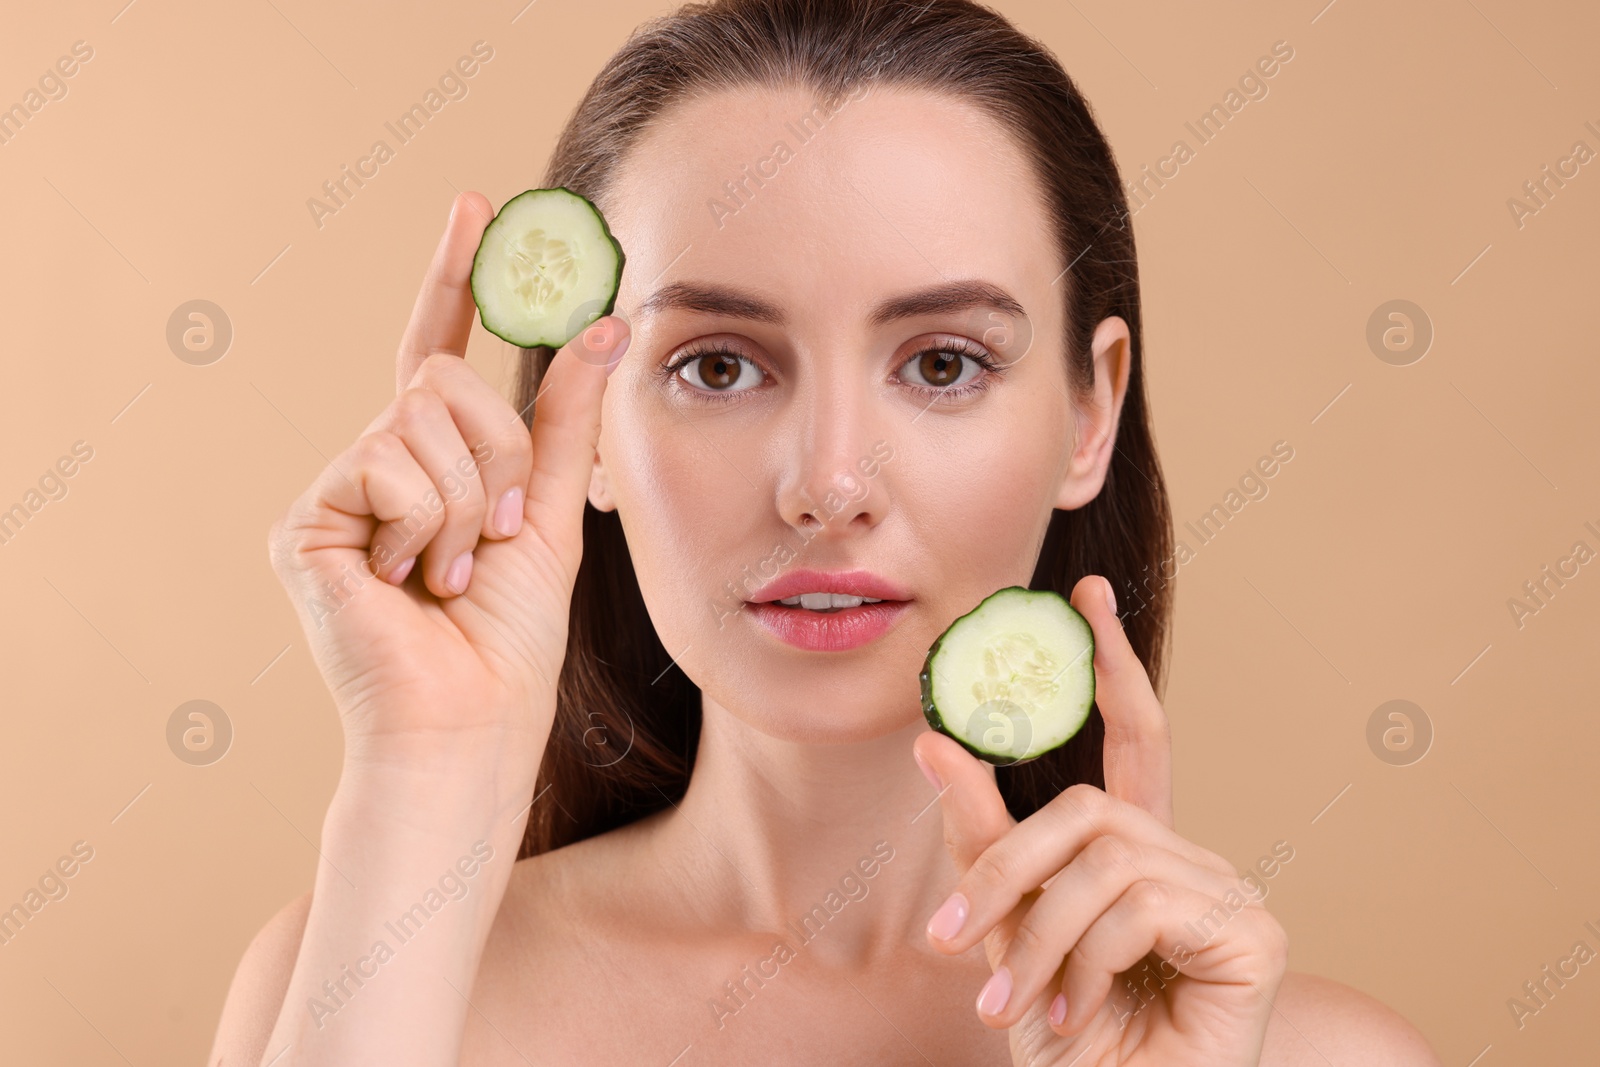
x,y
854,583
835,631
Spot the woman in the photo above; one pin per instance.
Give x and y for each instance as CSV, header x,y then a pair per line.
x,y
878,334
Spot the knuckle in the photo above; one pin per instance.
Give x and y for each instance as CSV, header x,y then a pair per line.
x,y
462,490
513,443
1275,941
993,867
1107,855
380,448
1028,943
280,545
414,409
439,365
1086,800
1148,896
287,534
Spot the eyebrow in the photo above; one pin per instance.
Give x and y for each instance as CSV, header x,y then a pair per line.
x,y
738,304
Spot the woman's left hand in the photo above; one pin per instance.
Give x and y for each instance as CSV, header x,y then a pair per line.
x,y
1112,939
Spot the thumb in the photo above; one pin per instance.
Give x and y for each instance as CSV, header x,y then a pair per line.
x,y
566,432
975,814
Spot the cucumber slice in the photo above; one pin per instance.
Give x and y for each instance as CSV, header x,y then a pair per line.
x,y
546,268
1013,678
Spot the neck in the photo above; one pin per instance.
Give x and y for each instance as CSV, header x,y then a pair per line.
x,y
842,843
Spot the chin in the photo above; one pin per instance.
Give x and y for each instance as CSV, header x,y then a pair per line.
x,y
837,712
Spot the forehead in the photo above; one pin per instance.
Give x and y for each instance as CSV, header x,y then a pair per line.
x,y
897,190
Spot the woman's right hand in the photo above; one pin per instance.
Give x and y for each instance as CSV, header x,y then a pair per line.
x,y
473,528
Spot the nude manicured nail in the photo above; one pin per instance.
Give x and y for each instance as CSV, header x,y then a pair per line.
x,y
398,575
1058,1010
996,991
928,772
455,579
508,513
947,921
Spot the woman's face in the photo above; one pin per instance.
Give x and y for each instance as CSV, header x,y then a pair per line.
x,y
832,426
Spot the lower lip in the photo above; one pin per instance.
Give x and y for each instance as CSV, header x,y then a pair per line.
x,y
834,631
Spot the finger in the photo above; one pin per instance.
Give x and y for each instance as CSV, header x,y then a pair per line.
x,y
1045,844
502,451
440,528
974,812
441,318
325,535
1245,951
1138,738
1088,886
566,432
974,816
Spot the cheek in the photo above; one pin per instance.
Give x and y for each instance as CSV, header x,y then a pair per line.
x,y
691,519
979,503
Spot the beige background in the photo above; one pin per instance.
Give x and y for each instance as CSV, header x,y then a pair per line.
x,y
178,165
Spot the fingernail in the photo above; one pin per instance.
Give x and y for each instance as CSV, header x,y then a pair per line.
x,y
928,772
616,357
398,575
508,513
1058,1010
947,921
996,991
1111,599
455,579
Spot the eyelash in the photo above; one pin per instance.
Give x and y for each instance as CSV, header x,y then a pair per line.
x,y
980,356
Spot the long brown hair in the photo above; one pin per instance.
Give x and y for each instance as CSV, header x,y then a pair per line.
x,y
627,726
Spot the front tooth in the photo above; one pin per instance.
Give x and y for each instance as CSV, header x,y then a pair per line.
x,y
827,601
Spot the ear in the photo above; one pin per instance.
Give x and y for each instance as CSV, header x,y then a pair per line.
x,y
1095,416
600,486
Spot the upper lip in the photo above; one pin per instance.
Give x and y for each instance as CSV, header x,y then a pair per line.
x,y
853,583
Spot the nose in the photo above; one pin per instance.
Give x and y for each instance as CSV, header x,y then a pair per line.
x,y
832,484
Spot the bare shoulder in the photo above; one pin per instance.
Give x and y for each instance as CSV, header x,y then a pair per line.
x,y
1318,1021
260,982
600,873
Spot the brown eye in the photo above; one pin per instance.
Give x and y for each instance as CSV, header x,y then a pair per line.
x,y
719,372
940,368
